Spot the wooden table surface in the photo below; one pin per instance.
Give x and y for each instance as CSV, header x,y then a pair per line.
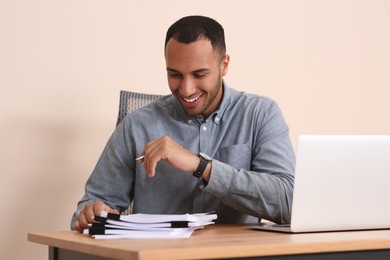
x,y
217,241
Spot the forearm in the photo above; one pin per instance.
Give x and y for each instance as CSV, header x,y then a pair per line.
x,y
110,182
258,194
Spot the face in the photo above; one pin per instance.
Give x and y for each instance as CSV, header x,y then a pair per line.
x,y
195,74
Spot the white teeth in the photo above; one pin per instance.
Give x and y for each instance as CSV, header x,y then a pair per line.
x,y
191,100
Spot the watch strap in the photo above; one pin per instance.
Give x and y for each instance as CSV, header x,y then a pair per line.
x,y
201,167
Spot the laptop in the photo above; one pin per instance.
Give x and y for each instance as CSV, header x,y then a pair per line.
x,y
342,182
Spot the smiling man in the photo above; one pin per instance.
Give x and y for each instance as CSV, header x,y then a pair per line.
x,y
206,147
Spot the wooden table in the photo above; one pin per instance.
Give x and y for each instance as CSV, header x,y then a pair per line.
x,y
221,241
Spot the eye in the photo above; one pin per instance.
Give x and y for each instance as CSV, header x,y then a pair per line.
x,y
174,75
200,75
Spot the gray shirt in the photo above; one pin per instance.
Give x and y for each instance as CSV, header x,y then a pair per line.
x,y
252,170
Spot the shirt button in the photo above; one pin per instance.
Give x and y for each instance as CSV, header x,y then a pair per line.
x,y
189,121
201,186
216,120
204,128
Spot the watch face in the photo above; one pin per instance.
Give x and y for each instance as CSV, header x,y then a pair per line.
x,y
208,158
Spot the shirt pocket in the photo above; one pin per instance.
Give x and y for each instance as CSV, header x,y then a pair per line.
x,y
238,156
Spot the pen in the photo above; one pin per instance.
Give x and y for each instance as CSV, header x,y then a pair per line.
x,y
139,159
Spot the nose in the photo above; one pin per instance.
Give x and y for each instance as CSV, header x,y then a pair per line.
x,y
187,87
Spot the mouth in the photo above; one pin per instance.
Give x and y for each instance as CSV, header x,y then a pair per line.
x,y
191,100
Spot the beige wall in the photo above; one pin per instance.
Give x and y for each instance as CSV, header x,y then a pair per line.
x,y
63,62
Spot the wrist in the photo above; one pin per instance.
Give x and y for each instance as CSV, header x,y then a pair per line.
x,y
204,167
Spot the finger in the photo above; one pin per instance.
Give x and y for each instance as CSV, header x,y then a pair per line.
x,y
114,211
81,222
150,146
77,226
150,162
89,212
99,206
154,157
151,157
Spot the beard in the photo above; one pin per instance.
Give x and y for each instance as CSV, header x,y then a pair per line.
x,y
212,99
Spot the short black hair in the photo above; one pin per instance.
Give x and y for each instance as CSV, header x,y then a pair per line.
x,y
190,28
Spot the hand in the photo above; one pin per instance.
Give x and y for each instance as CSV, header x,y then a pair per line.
x,y
89,212
166,149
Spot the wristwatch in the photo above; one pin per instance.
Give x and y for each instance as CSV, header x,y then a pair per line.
x,y
204,160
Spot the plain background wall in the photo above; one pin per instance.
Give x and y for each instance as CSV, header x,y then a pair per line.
x,y
63,62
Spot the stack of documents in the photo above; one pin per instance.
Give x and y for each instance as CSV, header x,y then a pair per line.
x,y
111,226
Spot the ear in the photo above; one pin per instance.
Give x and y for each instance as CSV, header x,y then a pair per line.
x,y
225,65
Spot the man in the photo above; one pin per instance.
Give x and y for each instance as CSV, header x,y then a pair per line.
x,y
206,147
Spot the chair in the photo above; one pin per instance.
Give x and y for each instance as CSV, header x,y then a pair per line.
x,y
129,102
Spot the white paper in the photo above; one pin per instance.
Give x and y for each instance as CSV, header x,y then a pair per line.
x,y
145,226
158,218
150,225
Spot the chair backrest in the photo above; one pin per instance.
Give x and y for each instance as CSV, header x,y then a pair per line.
x,y
130,101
